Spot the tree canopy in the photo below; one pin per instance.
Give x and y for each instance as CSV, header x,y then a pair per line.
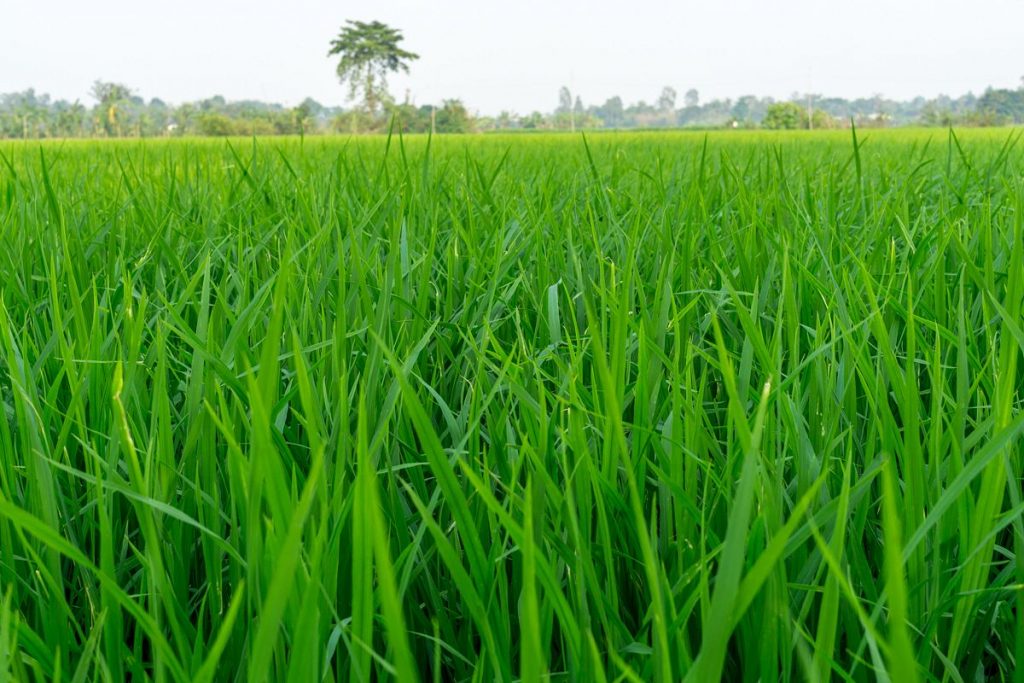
x,y
110,97
1004,105
368,52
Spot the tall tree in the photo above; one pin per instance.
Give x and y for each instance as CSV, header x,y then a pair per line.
x,y
29,110
369,52
691,98
564,117
110,97
578,110
744,109
70,119
564,101
667,99
612,112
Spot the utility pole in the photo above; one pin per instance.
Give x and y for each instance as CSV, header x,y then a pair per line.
x,y
433,119
810,112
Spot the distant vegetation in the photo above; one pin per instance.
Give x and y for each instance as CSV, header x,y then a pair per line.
x,y
368,52
119,112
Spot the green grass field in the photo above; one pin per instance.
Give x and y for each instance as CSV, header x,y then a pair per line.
x,y
650,407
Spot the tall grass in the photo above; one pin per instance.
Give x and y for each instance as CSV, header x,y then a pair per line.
x,y
637,407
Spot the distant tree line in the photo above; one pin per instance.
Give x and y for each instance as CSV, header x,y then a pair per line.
x,y
117,111
807,110
367,52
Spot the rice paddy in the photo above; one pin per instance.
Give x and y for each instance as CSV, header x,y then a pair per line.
x,y
662,406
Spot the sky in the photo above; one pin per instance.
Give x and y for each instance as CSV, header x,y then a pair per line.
x,y
515,55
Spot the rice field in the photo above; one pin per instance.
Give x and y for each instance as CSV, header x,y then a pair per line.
x,y
663,406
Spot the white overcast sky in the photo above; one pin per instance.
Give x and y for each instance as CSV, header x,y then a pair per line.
x,y
515,54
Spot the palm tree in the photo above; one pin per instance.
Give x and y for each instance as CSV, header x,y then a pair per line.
x,y
369,52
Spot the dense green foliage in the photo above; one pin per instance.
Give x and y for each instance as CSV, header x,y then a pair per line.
x,y
785,116
368,52
658,406
27,114
1007,106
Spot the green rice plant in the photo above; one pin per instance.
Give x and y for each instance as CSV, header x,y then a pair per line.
x,y
650,406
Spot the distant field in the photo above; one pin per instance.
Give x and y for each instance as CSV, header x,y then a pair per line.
x,y
661,406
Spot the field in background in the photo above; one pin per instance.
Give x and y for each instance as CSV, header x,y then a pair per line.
x,y
659,406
